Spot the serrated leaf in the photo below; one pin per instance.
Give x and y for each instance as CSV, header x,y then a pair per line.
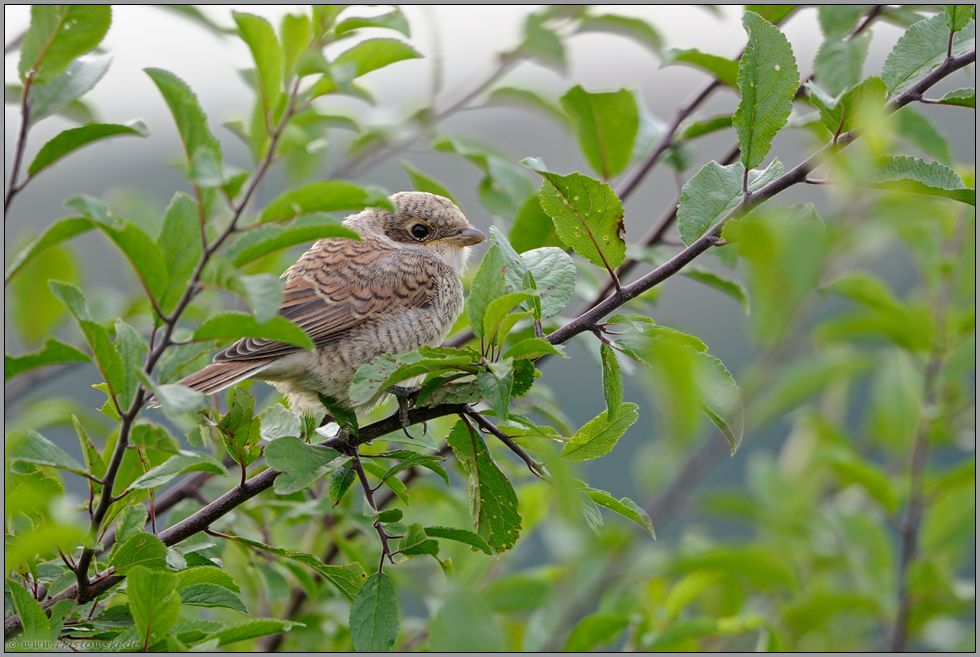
x,y
606,125
424,183
142,550
732,288
373,54
74,138
913,175
498,311
153,436
57,35
839,62
191,122
374,616
493,503
846,112
302,464
415,542
279,422
587,214
532,348
410,459
295,34
472,539
634,28
206,575
713,193
61,94
496,386
489,283
211,595
922,48
612,381
180,243
264,240
154,603
325,196
529,98
175,399
240,431
52,353
181,463
32,447
33,619
724,69
261,39
623,506
551,269
235,325
767,82
58,232
958,16
130,522
960,98
599,436
372,378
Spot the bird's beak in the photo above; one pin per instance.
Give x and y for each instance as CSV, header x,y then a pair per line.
x,y
466,237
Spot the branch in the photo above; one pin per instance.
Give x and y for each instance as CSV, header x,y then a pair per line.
x,y
536,468
25,125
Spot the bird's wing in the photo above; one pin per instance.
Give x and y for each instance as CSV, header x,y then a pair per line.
x,y
339,284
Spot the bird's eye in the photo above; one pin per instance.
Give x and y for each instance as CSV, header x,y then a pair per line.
x,y
420,231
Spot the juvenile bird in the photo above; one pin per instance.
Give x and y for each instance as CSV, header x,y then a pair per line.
x,y
392,292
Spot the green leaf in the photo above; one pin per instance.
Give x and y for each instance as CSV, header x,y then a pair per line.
x,y
235,325
373,54
920,132
606,126
767,81
32,616
532,348
634,28
211,595
295,34
240,431
394,20
960,98
542,43
713,193
732,288
53,352
423,183
599,436
93,460
180,242
913,175
280,422
707,126
489,283
206,575
32,447
35,310
472,539
410,459
512,96
130,522
498,311
181,463
852,469
773,13
532,227
191,122
74,138
372,378
496,384
838,63
261,39
493,503
58,232
62,93
504,188
153,436
594,630
724,69
251,629
57,35
852,108
464,624
375,617
261,241
623,506
551,269
922,48
415,542
587,214
958,16
143,551
154,603
612,381
175,399
143,254
300,463
838,20
327,196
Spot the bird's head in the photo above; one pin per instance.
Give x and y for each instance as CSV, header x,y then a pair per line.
x,y
426,221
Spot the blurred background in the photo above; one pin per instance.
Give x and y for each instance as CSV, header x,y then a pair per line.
x,y
461,45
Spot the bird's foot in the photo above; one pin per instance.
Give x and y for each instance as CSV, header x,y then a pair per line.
x,y
405,397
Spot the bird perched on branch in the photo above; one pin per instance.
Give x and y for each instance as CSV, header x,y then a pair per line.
x,y
394,291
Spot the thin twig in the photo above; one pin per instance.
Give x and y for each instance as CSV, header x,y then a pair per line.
x,y
536,468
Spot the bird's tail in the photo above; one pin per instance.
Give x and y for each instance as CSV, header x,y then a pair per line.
x,y
218,376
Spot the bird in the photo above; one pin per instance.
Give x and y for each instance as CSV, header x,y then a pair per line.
x,y
395,290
